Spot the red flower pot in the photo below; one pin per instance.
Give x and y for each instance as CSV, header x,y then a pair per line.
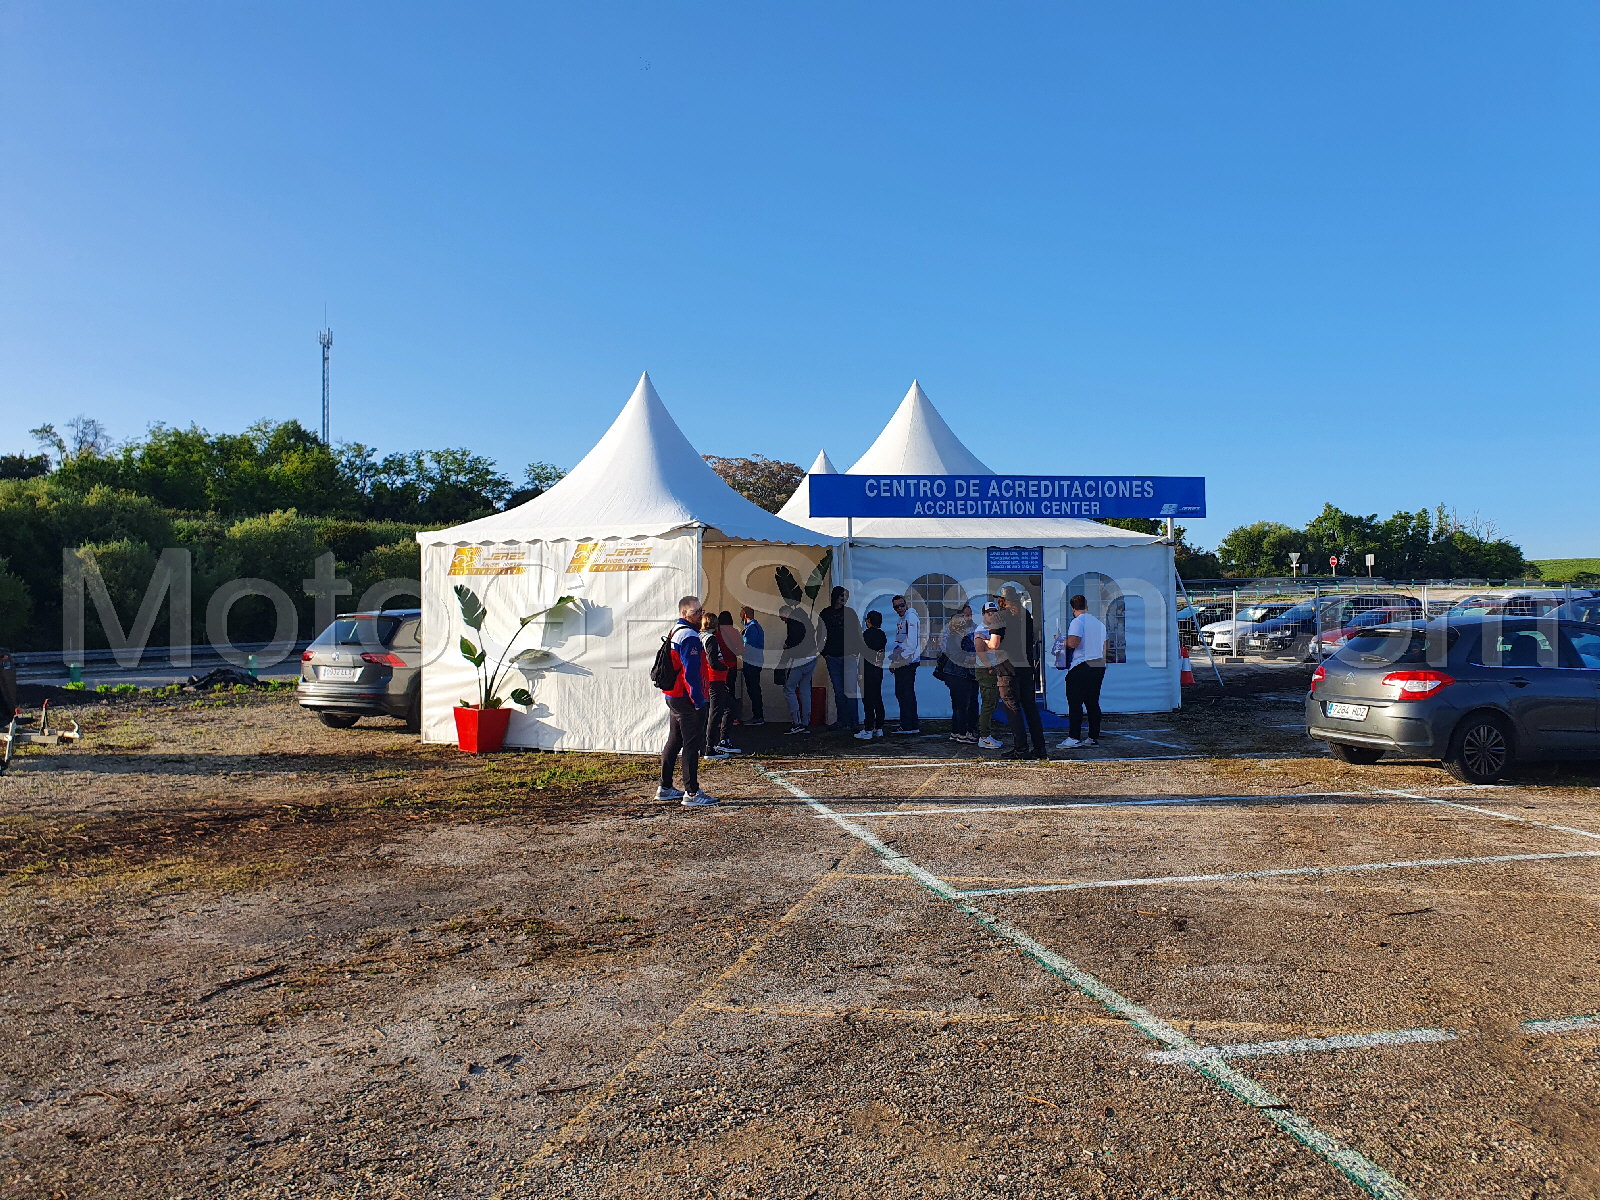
x,y
481,730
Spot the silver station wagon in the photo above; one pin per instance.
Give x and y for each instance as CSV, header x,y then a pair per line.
x,y
1477,692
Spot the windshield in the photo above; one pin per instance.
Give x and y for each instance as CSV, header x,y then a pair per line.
x,y
1300,612
1258,612
359,631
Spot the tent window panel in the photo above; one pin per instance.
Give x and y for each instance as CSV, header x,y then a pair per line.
x,y
1106,601
937,598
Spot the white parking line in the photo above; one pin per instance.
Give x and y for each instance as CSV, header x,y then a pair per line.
x,y
1355,1166
1169,801
1150,740
1487,812
1562,1025
1224,877
1343,1041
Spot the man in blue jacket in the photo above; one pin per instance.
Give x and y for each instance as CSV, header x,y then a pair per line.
x,y
686,710
755,644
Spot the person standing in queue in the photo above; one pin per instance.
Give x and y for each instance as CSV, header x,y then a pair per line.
x,y
841,653
719,712
755,644
686,709
732,650
905,656
1016,676
959,661
799,664
988,692
1086,671
874,643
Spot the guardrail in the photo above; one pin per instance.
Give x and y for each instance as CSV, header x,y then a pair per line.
x,y
57,662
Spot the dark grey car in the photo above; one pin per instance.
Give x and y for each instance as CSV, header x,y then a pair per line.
x,y
1478,693
365,664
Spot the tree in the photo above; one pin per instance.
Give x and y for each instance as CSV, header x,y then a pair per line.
x,y
24,466
766,482
16,608
85,437
1260,548
538,479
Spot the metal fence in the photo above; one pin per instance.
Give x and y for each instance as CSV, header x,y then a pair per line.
x,y
1307,618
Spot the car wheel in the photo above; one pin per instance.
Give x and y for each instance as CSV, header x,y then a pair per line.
x,y
1480,749
414,712
1360,755
338,720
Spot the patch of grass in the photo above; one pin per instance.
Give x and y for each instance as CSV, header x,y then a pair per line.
x,y
1557,570
91,877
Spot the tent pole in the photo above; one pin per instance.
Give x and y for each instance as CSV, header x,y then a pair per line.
x,y
1210,657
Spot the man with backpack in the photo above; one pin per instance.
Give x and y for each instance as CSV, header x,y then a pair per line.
x,y
679,674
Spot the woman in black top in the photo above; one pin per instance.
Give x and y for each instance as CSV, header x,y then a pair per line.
x,y
876,641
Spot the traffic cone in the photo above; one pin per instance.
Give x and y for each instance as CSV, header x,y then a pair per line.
x,y
1188,671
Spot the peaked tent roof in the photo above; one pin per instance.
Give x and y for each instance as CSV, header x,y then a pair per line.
x,y
642,479
917,441
797,508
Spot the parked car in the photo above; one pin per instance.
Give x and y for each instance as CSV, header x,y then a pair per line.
x,y
1332,639
1528,603
1295,632
8,685
1586,610
1479,693
1193,618
1220,634
366,664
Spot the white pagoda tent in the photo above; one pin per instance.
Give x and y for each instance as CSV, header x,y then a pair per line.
x,y
942,562
639,522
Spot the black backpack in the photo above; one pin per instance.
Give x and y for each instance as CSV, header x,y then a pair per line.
x,y
664,671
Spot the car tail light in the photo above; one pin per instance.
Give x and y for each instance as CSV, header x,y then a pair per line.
x,y
305,656
384,660
1317,676
1415,685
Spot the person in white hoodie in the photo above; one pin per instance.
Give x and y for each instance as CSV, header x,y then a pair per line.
x,y
905,656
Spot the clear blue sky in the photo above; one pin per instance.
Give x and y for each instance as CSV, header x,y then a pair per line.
x,y
1314,252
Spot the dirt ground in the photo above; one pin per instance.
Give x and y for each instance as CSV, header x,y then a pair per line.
x,y
242,955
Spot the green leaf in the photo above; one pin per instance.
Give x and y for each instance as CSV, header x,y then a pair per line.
x,y
493,702
472,654
819,575
788,585
472,610
522,696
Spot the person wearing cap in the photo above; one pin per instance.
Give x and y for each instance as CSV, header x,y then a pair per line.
x,y
988,692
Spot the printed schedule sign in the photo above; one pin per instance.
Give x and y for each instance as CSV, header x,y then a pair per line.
x,y
1088,496
1016,560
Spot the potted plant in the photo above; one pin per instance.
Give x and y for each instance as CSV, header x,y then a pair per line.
x,y
481,726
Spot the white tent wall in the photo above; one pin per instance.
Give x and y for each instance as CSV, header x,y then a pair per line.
x,y
596,694
1142,576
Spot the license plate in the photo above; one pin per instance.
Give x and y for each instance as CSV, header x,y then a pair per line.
x,y
338,672
1347,712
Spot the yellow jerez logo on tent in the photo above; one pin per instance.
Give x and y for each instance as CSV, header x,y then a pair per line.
x,y
474,560
588,556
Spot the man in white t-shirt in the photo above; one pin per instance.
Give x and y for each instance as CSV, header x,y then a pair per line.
x,y
1086,671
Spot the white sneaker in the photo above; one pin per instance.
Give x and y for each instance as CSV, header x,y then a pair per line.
x,y
1070,743
698,800
989,743
668,794
866,735
1089,742
727,749
714,755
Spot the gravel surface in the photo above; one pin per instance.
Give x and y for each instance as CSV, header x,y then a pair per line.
x,y
245,955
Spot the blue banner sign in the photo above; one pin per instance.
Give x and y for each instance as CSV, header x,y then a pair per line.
x,y
1016,560
1085,496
